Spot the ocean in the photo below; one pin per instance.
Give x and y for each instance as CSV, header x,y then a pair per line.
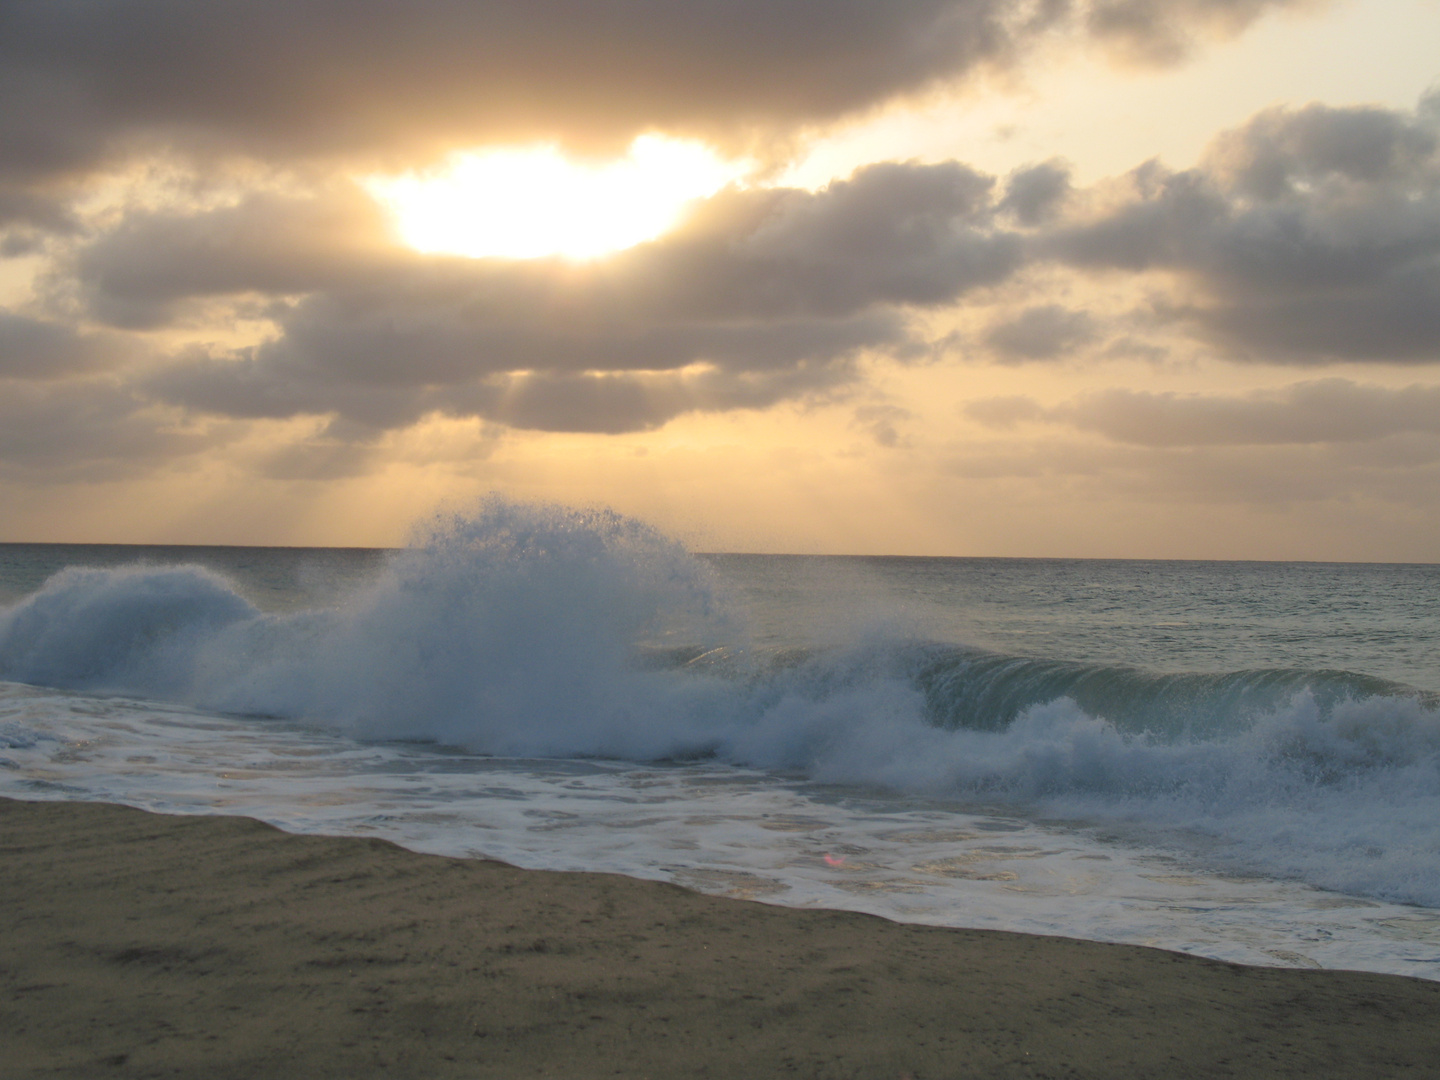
x,y
1237,760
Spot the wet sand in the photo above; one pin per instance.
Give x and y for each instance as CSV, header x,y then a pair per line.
x,y
140,945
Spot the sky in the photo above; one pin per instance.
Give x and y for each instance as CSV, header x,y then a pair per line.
x,y
1101,278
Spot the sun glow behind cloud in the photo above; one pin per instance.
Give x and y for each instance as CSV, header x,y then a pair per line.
x,y
533,202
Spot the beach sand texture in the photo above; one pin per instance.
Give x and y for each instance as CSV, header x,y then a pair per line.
x,y
140,945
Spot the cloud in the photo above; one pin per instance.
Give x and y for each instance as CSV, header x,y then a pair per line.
x,y
1325,411
1304,236
1005,412
899,233
89,429
1132,483
274,385
611,404
765,294
44,349
892,233
1308,236
84,83
1042,332
1280,150
883,423
327,74
1156,32
137,274
1034,194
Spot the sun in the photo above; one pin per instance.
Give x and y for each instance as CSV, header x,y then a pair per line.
x,y
534,202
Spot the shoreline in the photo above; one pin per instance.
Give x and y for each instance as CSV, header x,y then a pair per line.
x,y
143,945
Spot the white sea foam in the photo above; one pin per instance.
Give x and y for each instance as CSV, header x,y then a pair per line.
x,y
527,631
711,826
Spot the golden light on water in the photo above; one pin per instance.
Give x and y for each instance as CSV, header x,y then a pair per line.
x,y
533,202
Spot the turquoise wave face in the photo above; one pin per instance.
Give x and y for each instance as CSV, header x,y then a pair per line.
x,y
987,691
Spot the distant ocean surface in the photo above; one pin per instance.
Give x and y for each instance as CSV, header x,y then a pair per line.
x,y
1240,760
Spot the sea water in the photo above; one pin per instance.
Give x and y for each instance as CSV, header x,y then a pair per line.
x,y
1239,760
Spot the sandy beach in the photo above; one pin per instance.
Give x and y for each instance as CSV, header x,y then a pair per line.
x,y
140,945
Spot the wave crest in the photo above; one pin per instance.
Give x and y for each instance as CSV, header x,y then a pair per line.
x,y
528,630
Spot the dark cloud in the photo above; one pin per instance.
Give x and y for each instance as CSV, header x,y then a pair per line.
x,y
42,349
1397,318
1326,411
901,233
1312,235
137,274
1043,332
340,74
1034,194
1279,150
611,404
268,386
86,80
765,294
1170,220
88,430
28,215
892,233
1304,236
1163,31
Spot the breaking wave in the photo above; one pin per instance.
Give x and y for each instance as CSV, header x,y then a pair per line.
x,y
526,630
